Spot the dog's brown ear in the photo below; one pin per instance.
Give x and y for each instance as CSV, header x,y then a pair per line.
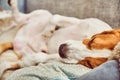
x,y
111,31
92,62
9,2
86,41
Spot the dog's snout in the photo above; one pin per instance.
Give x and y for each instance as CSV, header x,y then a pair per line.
x,y
63,50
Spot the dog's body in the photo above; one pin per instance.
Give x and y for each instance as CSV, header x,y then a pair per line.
x,y
41,33
50,42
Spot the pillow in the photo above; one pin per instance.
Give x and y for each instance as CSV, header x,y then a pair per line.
x,y
106,71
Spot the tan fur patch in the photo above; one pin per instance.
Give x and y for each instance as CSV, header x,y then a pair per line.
x,y
5,46
92,62
104,40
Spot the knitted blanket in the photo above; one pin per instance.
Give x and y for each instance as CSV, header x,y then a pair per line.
x,y
50,71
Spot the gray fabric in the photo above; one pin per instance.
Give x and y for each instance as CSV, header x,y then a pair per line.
x,y
107,71
106,10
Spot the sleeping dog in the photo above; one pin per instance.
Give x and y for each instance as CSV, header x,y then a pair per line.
x,y
41,33
93,51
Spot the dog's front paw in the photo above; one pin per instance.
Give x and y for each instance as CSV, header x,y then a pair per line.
x,y
33,59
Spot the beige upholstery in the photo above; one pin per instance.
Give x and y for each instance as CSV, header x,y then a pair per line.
x,y
106,10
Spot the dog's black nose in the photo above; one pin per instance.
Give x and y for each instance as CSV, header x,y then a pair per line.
x,y
63,50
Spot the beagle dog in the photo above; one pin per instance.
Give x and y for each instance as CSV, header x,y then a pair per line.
x,y
90,52
40,34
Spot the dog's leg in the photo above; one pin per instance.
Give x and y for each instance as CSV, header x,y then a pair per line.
x,y
5,46
63,21
14,7
36,58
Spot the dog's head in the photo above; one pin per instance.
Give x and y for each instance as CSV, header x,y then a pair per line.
x,y
97,49
76,52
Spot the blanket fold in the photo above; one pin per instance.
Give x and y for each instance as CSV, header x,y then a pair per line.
x,y
50,71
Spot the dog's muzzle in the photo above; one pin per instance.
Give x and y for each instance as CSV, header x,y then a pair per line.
x,y
63,50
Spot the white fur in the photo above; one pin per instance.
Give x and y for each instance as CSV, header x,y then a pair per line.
x,y
78,51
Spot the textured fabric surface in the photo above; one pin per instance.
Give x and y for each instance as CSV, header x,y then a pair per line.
x,y
107,71
50,71
106,10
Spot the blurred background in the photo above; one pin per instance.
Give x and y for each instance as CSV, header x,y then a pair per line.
x,y
21,4
106,10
